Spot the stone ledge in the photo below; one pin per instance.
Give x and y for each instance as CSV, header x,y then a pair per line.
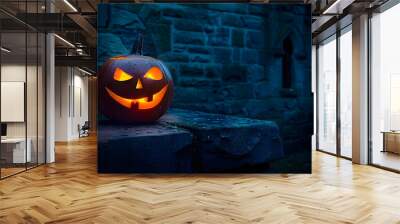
x,y
184,141
223,143
150,148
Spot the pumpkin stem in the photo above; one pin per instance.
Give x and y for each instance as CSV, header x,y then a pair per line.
x,y
139,44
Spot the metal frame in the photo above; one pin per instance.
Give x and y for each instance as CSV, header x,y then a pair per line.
x,y
0,90
338,152
316,97
338,98
369,114
26,87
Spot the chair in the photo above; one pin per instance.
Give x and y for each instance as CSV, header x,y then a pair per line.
x,y
84,130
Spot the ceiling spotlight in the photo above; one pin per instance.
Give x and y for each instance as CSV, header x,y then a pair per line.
x,y
5,50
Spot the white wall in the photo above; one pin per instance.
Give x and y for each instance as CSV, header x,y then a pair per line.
x,y
16,73
33,126
71,102
61,103
80,110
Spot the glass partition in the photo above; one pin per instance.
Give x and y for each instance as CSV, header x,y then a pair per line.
x,y
327,95
22,90
385,89
13,104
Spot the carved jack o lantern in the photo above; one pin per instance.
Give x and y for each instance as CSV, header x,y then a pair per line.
x,y
134,88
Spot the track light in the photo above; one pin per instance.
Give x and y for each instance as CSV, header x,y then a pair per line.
x,y
328,10
65,41
337,7
5,50
70,5
84,71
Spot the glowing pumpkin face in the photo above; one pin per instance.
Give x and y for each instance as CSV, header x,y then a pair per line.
x,y
134,89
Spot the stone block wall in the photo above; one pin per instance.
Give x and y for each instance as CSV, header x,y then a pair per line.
x,y
225,58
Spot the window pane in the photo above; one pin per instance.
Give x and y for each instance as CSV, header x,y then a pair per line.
x,y
386,89
327,96
346,94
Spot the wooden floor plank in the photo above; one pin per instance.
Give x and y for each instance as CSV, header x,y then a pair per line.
x,y
71,191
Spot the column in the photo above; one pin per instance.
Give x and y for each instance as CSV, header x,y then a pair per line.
x,y
360,90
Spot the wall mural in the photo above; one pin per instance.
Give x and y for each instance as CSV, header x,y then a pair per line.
x,y
204,88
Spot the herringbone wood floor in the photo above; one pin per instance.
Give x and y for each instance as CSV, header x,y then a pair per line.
x,y
71,191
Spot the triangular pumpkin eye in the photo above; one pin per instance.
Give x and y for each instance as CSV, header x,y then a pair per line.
x,y
154,73
120,75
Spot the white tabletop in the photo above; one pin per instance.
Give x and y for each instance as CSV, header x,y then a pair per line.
x,y
13,140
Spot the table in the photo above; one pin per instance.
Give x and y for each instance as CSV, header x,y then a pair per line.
x,y
391,141
15,148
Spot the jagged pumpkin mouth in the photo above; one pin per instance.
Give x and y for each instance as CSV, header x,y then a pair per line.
x,y
141,103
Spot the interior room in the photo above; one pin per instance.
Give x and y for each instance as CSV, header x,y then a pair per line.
x,y
22,99
238,112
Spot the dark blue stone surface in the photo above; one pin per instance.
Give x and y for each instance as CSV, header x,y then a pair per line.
x,y
226,58
189,142
224,143
152,148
